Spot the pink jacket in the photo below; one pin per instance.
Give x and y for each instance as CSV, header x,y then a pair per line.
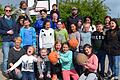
x,y
92,63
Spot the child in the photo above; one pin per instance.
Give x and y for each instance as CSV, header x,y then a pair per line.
x,y
60,33
27,61
75,34
44,65
46,36
97,40
91,65
56,69
85,35
68,69
28,35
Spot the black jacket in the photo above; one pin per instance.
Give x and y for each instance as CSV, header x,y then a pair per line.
x,y
4,28
112,42
97,39
72,20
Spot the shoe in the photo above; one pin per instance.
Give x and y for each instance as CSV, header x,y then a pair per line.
x,y
111,77
115,77
54,77
5,74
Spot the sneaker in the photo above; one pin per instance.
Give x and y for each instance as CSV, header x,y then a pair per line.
x,y
111,77
54,77
5,74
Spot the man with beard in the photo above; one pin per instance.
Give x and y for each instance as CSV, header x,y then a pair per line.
x,y
73,18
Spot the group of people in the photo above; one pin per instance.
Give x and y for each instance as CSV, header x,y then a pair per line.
x,y
26,47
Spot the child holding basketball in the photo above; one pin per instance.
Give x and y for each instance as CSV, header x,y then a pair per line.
x,y
56,68
68,69
91,65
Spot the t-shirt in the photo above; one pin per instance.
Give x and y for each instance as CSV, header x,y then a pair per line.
x,y
85,38
61,35
27,63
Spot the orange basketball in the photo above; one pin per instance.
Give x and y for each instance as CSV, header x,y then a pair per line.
x,y
53,57
81,58
73,43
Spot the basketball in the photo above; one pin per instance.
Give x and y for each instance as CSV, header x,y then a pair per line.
x,y
81,58
53,57
73,43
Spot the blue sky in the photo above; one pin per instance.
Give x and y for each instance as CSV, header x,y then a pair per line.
x,y
114,6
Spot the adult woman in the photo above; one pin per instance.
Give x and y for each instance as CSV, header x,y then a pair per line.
x,y
107,23
14,54
112,47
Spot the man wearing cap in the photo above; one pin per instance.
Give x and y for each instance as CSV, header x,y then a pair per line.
x,y
73,18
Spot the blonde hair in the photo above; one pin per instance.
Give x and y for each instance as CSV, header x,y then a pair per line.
x,y
18,39
43,49
33,49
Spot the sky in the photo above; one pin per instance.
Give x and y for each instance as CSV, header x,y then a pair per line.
x,y
114,6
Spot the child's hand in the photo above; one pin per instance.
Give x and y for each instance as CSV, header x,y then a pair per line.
x,y
83,64
58,56
48,75
40,59
8,71
17,71
35,55
41,76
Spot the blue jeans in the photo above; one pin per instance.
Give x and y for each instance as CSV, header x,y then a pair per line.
x,y
111,63
15,76
26,75
101,58
91,76
5,49
116,65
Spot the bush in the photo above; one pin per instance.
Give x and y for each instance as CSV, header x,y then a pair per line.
x,y
94,8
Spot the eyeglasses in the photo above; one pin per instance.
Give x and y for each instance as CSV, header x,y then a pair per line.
x,y
8,10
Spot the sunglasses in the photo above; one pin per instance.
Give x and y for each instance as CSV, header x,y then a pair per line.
x,y
8,10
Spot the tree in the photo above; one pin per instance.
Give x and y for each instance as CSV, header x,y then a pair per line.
x,y
94,8
1,10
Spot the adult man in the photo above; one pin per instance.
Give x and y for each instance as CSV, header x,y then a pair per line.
x,y
8,32
39,23
73,19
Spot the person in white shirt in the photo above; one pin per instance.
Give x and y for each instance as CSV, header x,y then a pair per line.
x,y
27,61
46,36
88,19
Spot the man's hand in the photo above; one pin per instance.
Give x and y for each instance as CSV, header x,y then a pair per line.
x,y
10,32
